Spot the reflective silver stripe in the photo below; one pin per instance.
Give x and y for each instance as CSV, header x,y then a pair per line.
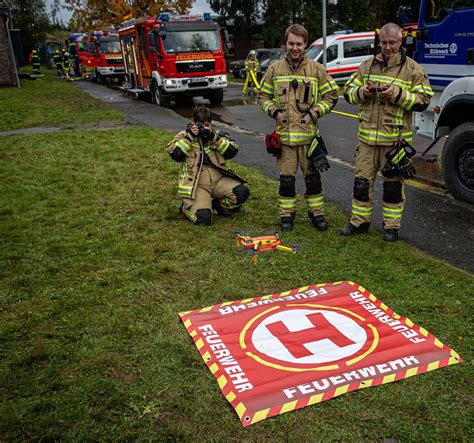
x,y
287,203
387,79
222,145
363,211
289,78
367,134
392,212
315,202
327,87
267,88
266,105
285,137
424,89
323,107
226,203
184,146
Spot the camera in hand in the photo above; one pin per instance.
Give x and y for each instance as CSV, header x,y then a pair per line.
x,y
378,89
204,131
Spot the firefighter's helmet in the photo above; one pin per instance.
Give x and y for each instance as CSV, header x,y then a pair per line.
x,y
252,52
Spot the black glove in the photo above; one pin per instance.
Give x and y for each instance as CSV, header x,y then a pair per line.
x,y
212,135
319,162
317,155
398,161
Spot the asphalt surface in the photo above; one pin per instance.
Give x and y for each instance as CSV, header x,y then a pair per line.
x,y
433,221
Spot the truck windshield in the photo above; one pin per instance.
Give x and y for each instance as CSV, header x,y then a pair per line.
x,y
110,47
191,41
314,51
437,11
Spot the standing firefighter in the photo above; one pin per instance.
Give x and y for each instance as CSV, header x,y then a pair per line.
x,y
388,87
58,61
205,179
66,64
35,62
251,66
296,92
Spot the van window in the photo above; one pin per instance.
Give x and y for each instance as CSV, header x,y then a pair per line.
x,y
357,48
331,53
314,51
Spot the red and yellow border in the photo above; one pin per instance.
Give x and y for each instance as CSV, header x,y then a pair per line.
x,y
248,418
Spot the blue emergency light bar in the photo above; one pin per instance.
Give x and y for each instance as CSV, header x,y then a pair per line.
x,y
166,17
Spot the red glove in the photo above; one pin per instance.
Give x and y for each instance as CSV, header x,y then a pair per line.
x,y
273,144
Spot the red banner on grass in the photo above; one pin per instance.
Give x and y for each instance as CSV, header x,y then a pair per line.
x,y
285,351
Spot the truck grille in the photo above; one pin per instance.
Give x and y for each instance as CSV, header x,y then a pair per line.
x,y
195,66
198,84
114,61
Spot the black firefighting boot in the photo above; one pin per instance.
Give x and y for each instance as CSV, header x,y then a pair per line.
x,y
350,229
318,221
390,234
286,222
217,206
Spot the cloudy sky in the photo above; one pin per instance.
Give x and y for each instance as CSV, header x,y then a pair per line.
x,y
199,6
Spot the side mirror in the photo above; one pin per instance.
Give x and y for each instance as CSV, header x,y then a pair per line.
x,y
226,37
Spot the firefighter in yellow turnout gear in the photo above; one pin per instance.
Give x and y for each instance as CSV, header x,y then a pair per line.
x,y
36,62
297,92
251,66
388,87
66,64
205,180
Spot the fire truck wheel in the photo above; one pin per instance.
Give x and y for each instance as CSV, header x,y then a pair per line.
x,y
159,97
458,162
216,96
99,77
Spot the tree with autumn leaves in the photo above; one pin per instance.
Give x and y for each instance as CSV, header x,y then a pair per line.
x,y
89,15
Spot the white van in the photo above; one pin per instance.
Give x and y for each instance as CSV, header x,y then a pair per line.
x,y
345,51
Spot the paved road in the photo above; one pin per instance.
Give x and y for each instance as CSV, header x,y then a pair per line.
x,y
433,222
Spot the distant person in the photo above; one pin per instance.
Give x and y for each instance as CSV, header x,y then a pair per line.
x,y
205,179
66,64
297,92
388,87
251,66
36,62
58,61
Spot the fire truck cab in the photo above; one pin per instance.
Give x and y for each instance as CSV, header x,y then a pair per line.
x,y
174,56
100,56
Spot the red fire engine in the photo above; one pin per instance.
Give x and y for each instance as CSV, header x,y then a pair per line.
x,y
100,56
173,57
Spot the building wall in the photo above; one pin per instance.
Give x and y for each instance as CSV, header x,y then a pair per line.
x,y
7,69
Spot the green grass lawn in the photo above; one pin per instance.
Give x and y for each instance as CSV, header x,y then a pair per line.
x,y
95,265
48,102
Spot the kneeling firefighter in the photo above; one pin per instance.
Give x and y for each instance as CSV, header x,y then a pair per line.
x,y
205,180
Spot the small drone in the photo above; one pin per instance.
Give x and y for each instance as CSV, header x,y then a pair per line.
x,y
255,245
